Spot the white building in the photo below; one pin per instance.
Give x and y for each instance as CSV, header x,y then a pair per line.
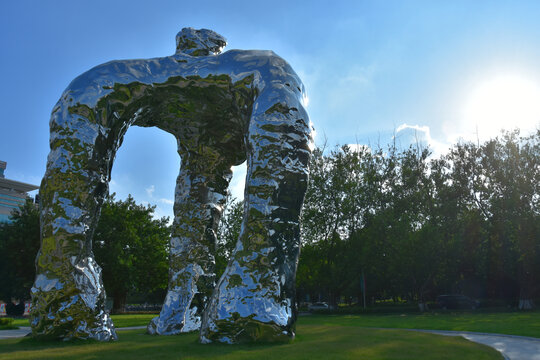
x,y
12,194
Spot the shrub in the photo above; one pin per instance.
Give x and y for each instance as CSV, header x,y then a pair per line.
x,y
6,321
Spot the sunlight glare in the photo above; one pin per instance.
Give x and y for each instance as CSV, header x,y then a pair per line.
x,y
505,102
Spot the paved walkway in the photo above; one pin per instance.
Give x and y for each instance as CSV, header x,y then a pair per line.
x,y
25,330
20,332
512,347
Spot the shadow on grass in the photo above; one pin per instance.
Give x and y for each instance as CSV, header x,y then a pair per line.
x,y
314,342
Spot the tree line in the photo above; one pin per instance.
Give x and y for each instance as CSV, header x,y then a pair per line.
x,y
401,224
377,224
129,244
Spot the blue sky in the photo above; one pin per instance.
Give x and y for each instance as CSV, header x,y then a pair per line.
x,y
435,70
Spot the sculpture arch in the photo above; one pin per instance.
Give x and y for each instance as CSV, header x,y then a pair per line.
x,y
223,109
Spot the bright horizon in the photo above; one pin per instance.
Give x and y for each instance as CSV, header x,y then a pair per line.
x,y
434,70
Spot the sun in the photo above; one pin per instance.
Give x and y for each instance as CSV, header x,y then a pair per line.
x,y
504,102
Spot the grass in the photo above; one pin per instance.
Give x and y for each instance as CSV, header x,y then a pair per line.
x,y
119,320
8,327
319,337
6,323
511,323
315,341
21,322
132,320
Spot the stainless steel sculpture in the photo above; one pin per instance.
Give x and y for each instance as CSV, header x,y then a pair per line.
x,y
223,109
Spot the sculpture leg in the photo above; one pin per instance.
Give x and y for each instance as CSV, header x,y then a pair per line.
x,y
68,298
200,196
254,299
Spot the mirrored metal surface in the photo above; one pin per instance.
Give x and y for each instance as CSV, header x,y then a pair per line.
x,y
223,109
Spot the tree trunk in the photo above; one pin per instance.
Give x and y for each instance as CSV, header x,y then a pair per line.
x,y
526,304
525,300
119,303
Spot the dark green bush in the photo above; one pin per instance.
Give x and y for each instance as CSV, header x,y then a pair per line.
x,y
6,321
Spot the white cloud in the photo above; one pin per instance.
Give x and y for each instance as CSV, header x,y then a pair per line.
x,y
167,201
422,135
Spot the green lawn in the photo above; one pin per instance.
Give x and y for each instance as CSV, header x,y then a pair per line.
x,y
119,320
319,337
512,323
6,323
21,322
132,320
8,327
315,341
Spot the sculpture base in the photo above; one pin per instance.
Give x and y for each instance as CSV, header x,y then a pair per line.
x,y
100,328
246,330
233,317
71,306
174,318
162,325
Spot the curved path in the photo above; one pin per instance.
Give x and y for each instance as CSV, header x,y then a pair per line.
x,y
25,330
510,346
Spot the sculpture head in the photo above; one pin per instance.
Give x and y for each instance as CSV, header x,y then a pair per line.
x,y
201,42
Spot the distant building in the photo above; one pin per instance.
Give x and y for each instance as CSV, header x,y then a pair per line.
x,y
12,194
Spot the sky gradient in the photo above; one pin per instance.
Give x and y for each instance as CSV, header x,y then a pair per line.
x,y
433,70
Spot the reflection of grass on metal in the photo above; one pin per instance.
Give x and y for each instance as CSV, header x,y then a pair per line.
x,y
315,341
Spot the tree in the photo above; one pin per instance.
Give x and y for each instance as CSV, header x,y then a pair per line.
x,y
511,166
19,244
416,227
132,249
228,232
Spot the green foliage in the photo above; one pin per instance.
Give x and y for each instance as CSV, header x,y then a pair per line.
x,y
417,226
19,244
228,233
6,321
7,324
129,245
132,249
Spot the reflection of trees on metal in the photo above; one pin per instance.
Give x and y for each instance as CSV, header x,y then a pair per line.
x,y
223,109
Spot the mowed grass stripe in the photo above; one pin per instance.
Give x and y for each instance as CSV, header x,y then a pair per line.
x,y
511,323
516,323
313,342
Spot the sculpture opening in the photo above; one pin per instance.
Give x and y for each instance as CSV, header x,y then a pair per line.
x,y
223,109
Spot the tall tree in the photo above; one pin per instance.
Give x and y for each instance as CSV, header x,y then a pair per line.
x,y
19,244
417,227
132,249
